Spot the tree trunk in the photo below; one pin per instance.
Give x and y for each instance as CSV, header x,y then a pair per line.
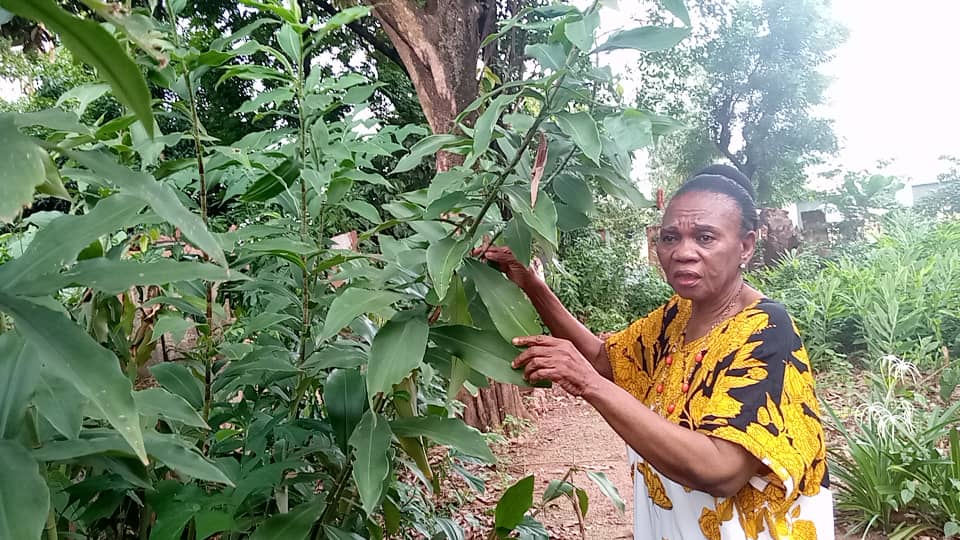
x,y
439,42
778,233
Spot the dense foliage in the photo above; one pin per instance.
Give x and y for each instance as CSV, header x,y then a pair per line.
x,y
887,310
259,336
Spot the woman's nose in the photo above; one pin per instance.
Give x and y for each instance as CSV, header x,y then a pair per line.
x,y
685,251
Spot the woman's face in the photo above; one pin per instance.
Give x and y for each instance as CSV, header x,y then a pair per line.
x,y
702,244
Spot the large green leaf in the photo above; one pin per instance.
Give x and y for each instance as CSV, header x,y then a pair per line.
x,y
175,453
24,499
645,38
549,55
484,126
581,32
161,198
443,258
371,441
274,182
574,191
115,276
518,238
352,303
19,371
58,244
396,350
345,396
363,209
630,130
508,306
542,218
59,402
161,403
23,172
513,504
451,432
485,351
178,379
582,128
334,533
94,371
426,146
294,525
91,43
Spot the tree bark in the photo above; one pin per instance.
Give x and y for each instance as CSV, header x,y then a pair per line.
x,y
439,43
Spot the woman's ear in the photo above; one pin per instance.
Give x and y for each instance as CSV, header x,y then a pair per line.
x,y
748,244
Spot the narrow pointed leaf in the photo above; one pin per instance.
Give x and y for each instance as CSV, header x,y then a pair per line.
x,y
443,258
396,350
334,533
646,38
608,489
59,402
485,351
160,197
508,306
485,125
161,403
91,43
176,454
115,276
363,209
178,379
19,371
353,303
94,370
452,432
678,9
24,498
58,244
371,443
427,146
345,397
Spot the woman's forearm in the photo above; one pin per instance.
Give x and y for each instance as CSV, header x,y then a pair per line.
x,y
564,325
689,458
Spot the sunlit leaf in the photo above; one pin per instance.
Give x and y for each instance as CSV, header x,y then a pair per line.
x,y
550,56
452,432
426,146
678,9
580,33
363,209
608,489
645,38
352,303
91,43
485,124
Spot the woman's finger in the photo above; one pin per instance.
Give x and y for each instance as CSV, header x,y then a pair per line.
x,y
531,341
533,352
542,374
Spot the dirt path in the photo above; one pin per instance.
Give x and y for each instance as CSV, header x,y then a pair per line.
x,y
569,433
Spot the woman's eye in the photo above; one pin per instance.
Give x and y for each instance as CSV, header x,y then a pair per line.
x,y
705,238
667,238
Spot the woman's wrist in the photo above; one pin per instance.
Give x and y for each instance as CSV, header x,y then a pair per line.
x,y
596,388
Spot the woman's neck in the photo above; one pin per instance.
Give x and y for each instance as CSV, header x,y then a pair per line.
x,y
705,313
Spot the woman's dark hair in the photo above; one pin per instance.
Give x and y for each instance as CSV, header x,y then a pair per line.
x,y
726,180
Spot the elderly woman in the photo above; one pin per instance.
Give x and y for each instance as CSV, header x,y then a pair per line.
x,y
712,392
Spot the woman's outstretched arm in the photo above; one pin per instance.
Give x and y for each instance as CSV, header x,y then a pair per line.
x,y
559,320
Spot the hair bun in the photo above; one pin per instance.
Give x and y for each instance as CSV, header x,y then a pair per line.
x,y
730,173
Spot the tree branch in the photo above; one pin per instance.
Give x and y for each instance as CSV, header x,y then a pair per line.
x,y
363,33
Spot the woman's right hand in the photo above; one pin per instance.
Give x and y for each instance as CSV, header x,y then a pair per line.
x,y
504,260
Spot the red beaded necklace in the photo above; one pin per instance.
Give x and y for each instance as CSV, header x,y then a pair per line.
x,y
697,360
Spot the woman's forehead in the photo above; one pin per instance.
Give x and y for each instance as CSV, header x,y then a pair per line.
x,y
702,208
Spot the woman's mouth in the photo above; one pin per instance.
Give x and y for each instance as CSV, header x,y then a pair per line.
x,y
686,279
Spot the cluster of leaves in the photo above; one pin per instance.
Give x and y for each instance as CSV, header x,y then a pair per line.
x,y
900,471
317,369
893,297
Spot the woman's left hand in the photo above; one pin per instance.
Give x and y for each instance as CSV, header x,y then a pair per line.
x,y
557,360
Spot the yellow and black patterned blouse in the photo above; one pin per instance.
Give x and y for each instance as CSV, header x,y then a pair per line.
x,y
753,386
